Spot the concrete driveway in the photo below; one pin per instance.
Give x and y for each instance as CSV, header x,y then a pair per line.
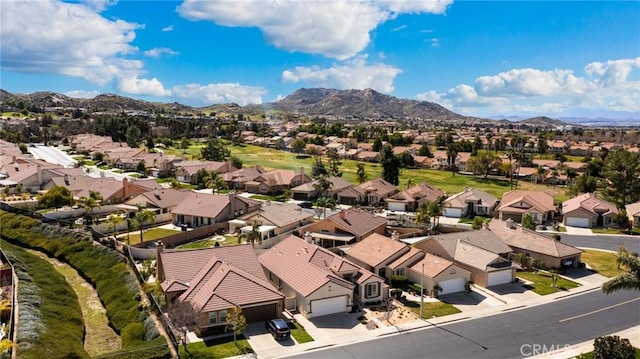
x,y
333,325
578,231
263,342
510,292
467,302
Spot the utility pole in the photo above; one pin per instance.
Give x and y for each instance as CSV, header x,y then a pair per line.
x,y
421,290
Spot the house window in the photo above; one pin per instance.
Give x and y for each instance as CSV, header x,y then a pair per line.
x,y
371,290
534,216
399,271
223,316
213,317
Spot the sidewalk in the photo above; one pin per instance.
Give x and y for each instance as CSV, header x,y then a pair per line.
x,y
324,342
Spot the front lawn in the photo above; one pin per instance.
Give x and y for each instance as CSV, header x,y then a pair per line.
x,y
470,220
299,334
216,348
542,283
602,262
634,231
431,309
229,240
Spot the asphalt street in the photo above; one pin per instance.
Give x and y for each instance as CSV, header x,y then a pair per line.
x,y
52,155
512,334
601,241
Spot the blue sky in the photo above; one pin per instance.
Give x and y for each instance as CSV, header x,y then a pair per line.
x,y
476,58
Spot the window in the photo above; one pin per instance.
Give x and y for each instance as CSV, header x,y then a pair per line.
x,y
399,271
213,317
223,316
371,290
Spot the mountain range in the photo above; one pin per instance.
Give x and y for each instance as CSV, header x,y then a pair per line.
x,y
356,104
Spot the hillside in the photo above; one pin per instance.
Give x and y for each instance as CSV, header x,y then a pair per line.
x,y
360,103
542,121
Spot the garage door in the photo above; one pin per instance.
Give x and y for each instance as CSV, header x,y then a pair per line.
x,y
327,306
452,212
499,277
260,313
452,286
394,206
578,222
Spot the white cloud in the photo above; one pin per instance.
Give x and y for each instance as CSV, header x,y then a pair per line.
x,y
159,51
99,5
607,85
435,42
82,94
50,36
219,93
356,74
134,86
333,28
611,73
167,28
401,27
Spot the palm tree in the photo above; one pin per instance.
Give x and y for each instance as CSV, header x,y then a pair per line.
x,y
423,216
143,215
540,173
326,202
452,154
131,224
254,235
89,203
435,209
114,220
5,309
629,280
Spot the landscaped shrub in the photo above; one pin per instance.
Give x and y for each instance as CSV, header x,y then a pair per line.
x,y
612,347
104,268
416,288
399,281
132,334
49,316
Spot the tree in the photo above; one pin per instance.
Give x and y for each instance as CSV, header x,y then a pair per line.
x,y
133,136
56,197
571,173
622,171
423,214
214,181
528,222
452,154
254,235
425,150
298,146
236,162
141,168
318,169
524,260
390,165
334,162
628,280
377,145
612,347
114,220
361,173
23,148
477,223
150,145
89,203
584,184
143,215
131,225
484,162
183,319
326,202
236,322
542,145
541,172
214,150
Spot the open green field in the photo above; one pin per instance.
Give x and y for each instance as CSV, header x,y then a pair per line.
x,y
275,159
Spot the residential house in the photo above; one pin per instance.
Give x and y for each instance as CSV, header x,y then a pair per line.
x,y
368,156
237,179
113,154
215,280
440,160
308,190
160,200
375,252
367,193
276,181
587,210
537,204
110,189
273,218
347,226
410,199
202,209
317,282
432,271
553,253
186,171
633,212
480,252
470,203
422,161
29,173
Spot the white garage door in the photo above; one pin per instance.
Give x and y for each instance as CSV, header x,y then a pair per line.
x,y
394,206
499,277
452,285
452,212
578,222
328,306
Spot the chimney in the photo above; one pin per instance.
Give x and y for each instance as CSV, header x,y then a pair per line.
x,y
159,270
307,237
125,187
395,236
302,175
343,215
13,159
232,204
66,179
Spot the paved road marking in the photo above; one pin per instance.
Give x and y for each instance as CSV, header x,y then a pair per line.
x,y
599,310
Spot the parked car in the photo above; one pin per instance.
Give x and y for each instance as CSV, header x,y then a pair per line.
x,y
278,328
306,204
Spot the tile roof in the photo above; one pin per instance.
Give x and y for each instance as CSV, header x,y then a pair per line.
x,y
164,198
633,209
539,200
217,278
304,266
357,222
433,265
476,257
244,174
280,214
483,238
379,186
421,192
403,259
376,249
458,200
589,202
202,205
532,241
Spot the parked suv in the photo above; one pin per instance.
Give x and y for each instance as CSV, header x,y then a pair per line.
x,y
278,328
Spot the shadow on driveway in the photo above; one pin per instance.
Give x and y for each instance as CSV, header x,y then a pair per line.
x,y
509,288
337,321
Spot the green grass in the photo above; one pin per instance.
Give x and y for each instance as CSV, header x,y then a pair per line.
x,y
634,231
216,349
103,167
562,229
117,171
432,309
470,220
602,262
229,240
299,334
150,235
541,283
265,197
